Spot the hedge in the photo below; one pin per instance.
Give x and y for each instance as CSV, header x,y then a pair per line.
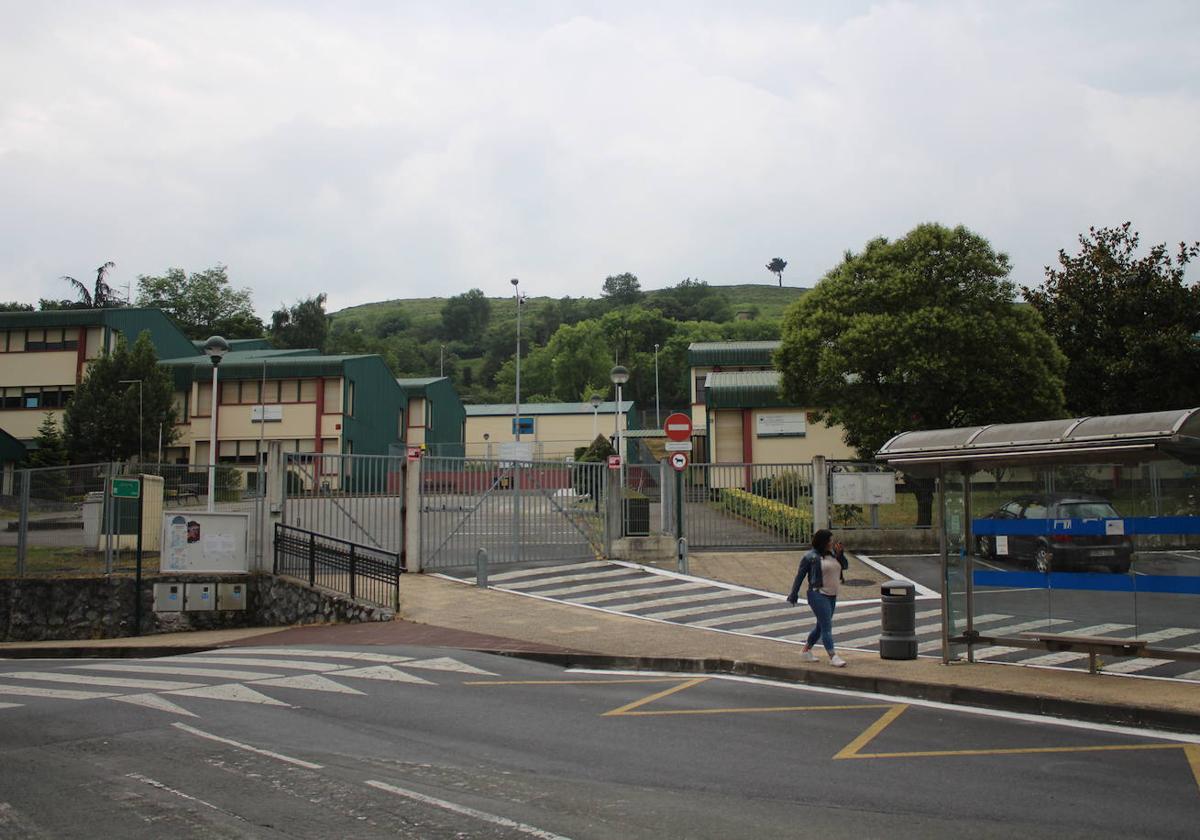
x,y
791,522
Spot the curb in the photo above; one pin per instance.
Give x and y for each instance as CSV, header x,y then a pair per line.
x,y
101,652
1032,704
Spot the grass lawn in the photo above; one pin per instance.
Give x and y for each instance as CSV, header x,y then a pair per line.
x,y
53,561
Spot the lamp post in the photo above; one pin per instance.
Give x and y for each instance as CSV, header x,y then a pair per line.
x,y
657,415
596,400
215,348
619,376
141,458
517,406
442,360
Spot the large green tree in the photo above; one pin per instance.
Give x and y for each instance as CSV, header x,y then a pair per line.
x,y
303,325
1128,323
920,333
693,300
202,303
621,289
101,422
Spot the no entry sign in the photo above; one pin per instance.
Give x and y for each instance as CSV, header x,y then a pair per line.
x,y
678,427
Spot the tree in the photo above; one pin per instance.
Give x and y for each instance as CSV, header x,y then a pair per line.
x,y
301,326
1127,324
15,306
202,303
50,448
466,316
101,422
776,267
693,300
100,296
920,333
621,289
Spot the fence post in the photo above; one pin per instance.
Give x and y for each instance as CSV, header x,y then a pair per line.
x,y
820,493
110,518
412,515
353,571
312,560
274,481
275,551
481,568
23,523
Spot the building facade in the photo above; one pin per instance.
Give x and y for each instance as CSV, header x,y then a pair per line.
x,y
555,429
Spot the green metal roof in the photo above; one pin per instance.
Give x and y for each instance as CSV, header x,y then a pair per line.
x,y
238,343
744,389
290,364
11,449
167,338
540,409
418,383
715,353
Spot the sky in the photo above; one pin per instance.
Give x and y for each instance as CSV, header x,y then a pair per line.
x,y
386,150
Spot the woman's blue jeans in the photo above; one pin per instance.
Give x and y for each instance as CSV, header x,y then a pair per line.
x,y
822,607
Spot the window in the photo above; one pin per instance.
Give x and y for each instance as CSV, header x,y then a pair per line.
x,y
229,393
32,399
12,398
249,394
203,400
35,340
350,400
333,396
700,388
308,390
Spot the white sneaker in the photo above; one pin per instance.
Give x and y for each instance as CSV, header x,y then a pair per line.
x,y
836,661
808,656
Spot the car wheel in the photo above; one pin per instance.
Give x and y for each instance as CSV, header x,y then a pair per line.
x,y
1042,556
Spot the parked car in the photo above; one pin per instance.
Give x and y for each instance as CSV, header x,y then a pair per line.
x,y
1060,551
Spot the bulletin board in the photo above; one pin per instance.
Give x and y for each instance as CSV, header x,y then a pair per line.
x,y
205,543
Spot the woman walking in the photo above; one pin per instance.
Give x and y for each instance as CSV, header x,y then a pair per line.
x,y
823,567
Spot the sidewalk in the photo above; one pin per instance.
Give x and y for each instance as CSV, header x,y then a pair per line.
x,y
439,612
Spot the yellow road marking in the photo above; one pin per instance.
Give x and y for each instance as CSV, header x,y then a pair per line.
x,y
572,682
1193,757
751,709
865,737
1016,751
656,696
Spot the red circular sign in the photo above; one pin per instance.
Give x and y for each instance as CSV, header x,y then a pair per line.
x,y
679,461
678,427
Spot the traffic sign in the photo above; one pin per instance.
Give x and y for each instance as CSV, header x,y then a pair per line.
x,y
678,446
614,462
126,488
678,426
679,461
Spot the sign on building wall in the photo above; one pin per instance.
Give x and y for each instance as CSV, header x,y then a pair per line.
x,y
266,413
873,488
205,543
792,424
526,425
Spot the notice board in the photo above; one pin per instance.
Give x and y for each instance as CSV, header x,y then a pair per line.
x,y
873,488
205,543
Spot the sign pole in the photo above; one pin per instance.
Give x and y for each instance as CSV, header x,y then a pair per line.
x,y
679,504
137,575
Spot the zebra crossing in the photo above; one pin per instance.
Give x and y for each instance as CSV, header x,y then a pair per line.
x,y
233,675
657,595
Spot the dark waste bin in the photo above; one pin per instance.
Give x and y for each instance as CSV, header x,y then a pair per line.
x,y
898,636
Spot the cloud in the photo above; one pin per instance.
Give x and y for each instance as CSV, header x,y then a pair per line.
x,y
373,152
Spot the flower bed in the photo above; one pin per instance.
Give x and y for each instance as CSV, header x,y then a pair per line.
x,y
785,520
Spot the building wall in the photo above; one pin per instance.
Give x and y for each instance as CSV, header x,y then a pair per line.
x,y
33,381
730,442
556,435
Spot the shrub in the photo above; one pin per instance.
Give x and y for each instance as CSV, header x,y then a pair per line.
x,y
791,522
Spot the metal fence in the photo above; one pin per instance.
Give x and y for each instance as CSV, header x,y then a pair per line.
x,y
516,511
761,506
852,485
359,571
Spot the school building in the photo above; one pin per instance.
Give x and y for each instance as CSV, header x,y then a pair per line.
x,y
555,429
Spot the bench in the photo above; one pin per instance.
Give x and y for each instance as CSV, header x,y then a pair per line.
x,y
183,491
1092,645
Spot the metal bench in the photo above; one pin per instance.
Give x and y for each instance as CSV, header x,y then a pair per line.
x,y
1092,645
181,492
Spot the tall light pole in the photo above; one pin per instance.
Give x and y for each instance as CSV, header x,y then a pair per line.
x,y
517,406
596,400
657,415
442,360
215,348
619,376
141,456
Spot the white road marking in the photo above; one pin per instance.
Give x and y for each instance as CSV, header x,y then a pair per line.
x,y
233,692
921,630
1190,675
155,784
921,590
520,573
215,673
1132,666
679,599
54,693
598,574
310,682
10,706
873,623
445,663
88,679
293,665
795,615
384,673
745,603
299,762
504,822
361,656
656,589
153,701
1065,656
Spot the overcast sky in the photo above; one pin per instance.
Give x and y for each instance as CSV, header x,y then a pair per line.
x,y
385,150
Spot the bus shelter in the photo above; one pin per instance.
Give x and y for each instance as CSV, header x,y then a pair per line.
x,y
1079,536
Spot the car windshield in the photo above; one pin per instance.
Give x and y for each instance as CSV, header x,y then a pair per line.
x,y
1087,510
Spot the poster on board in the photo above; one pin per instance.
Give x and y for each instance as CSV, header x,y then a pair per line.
x,y
205,543
875,488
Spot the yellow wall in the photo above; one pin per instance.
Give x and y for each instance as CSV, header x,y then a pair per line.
x,y
22,423
556,435
53,368
819,439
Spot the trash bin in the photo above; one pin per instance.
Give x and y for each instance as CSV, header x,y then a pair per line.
x,y
898,636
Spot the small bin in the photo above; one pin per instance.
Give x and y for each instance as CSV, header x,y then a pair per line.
x,y
898,615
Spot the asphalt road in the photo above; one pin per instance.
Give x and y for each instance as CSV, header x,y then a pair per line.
x,y
421,743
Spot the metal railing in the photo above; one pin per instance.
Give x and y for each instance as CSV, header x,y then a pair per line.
x,y
762,506
360,571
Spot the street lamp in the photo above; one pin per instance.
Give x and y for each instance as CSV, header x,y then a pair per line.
x,y
619,376
215,348
596,400
517,406
141,457
657,416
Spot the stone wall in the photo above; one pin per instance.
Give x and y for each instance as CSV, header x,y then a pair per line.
x,y
36,609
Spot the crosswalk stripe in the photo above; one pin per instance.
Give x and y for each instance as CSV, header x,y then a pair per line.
x,y
292,664
649,607
796,624
445,663
607,582
742,603
1132,666
310,682
231,691
591,576
10,705
55,693
520,573
384,673
328,654
1190,675
796,615
623,594
153,701
88,679
213,673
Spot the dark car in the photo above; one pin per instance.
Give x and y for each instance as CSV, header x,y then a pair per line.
x,y
1058,551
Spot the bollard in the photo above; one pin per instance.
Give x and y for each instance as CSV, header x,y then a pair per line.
x,y
481,579
682,551
898,607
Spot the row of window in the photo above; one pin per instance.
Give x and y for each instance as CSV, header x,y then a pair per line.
x,y
17,341
273,392
33,396
248,452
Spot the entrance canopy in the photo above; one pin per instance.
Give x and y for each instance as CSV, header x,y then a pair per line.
x,y
1120,437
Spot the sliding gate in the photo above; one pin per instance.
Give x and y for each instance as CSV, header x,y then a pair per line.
x,y
516,511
